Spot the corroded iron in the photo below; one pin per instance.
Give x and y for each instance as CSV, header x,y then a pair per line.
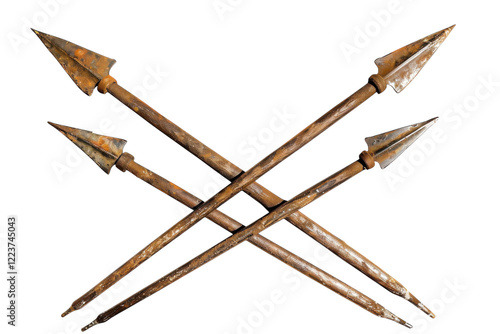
x,y
385,148
230,171
366,161
102,149
86,68
413,56
125,162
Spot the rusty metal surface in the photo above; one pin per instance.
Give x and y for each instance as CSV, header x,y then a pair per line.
x,y
235,239
261,194
86,68
400,67
125,162
244,179
102,149
285,209
386,147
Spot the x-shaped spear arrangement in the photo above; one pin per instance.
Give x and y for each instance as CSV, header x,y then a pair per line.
x,y
89,69
384,148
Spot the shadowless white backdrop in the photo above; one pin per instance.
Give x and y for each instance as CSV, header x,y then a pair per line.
x,y
243,76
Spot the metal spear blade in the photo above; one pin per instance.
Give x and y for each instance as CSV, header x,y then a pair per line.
x,y
104,150
400,67
388,146
85,67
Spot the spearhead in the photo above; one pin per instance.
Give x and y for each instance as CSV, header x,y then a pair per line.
x,y
400,67
104,150
85,67
386,147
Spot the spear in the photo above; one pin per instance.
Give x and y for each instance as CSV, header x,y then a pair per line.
x,y
89,69
383,148
107,152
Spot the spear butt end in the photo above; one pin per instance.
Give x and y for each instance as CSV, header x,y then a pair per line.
x,y
391,316
68,311
92,324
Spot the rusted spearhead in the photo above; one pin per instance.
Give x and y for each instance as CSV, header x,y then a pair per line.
x,y
401,66
87,68
126,163
386,147
104,150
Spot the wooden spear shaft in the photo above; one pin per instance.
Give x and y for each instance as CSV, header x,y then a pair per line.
x,y
126,162
107,152
252,231
397,69
268,199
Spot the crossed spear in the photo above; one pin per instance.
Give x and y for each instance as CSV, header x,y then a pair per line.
x,y
89,69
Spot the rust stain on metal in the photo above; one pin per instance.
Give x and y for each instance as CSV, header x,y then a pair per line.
x,y
400,67
217,162
385,148
104,150
282,211
86,68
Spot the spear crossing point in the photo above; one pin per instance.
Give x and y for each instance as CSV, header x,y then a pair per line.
x,y
99,146
412,61
390,145
125,162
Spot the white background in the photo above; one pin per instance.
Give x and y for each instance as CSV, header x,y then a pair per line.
x,y
223,73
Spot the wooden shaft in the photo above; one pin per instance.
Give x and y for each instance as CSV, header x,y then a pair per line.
x,y
233,226
250,231
262,195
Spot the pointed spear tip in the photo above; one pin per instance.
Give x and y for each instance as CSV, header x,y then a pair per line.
x,y
85,67
388,146
430,122
38,33
400,67
43,36
57,126
103,150
65,130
